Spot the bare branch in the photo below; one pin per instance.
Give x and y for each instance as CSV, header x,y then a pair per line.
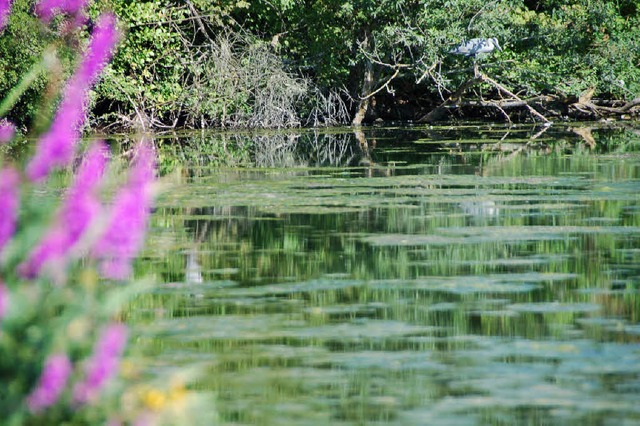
x,y
386,84
503,89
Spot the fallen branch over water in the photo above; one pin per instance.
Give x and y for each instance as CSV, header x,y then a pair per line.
x,y
512,102
504,90
585,106
508,103
598,108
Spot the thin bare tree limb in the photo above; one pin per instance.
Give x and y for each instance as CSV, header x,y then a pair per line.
x,y
596,109
479,77
503,89
507,103
198,19
386,84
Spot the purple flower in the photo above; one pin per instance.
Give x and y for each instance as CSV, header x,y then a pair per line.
x,y
124,234
50,249
5,11
4,299
47,9
52,382
103,363
146,419
7,129
56,146
80,208
82,204
9,202
100,49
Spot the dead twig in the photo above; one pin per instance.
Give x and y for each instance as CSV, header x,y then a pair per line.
x,y
479,77
506,91
385,85
596,109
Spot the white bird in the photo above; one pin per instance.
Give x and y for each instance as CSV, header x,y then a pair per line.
x,y
476,46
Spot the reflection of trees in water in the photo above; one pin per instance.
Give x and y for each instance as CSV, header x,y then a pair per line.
x,y
314,148
310,149
481,212
211,222
278,150
263,245
197,153
208,234
193,270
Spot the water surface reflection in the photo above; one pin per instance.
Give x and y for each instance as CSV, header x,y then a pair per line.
x,y
405,276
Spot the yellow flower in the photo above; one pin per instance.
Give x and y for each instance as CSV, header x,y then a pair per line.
x,y
154,399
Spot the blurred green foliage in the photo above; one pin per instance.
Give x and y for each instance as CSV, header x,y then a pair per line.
x,y
22,49
63,310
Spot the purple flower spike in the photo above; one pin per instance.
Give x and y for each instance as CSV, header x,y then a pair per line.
x,y
5,11
9,201
100,49
82,204
80,208
53,380
103,363
56,146
4,300
125,231
90,173
7,129
50,249
47,9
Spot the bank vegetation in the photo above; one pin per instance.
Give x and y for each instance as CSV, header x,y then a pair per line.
x,y
285,63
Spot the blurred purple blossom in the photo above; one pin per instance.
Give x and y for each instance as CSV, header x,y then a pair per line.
x,y
9,202
7,129
5,11
83,203
56,146
50,249
79,210
103,363
47,9
4,299
54,377
127,223
100,49
146,419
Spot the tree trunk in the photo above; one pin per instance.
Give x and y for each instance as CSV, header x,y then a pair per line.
x,y
439,111
367,86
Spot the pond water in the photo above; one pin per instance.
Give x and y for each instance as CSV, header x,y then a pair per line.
x,y
469,275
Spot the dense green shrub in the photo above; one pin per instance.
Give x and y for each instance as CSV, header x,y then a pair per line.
x,y
173,70
399,50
